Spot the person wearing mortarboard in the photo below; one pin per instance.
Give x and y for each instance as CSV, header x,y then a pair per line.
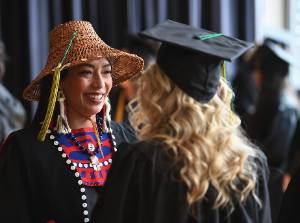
x,y
192,163
53,170
274,120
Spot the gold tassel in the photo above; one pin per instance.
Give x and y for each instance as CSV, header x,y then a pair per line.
x,y
224,71
234,119
51,104
53,94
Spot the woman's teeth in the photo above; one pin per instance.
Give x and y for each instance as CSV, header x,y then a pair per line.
x,y
96,97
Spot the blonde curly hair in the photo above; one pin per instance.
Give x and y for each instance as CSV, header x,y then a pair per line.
x,y
205,137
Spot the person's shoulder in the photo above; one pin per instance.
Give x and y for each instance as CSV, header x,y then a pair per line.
x,y
29,132
21,137
261,162
155,153
123,132
147,149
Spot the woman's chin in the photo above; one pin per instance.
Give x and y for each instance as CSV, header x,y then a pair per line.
x,y
95,110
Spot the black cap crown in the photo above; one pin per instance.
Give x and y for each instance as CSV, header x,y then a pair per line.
x,y
192,57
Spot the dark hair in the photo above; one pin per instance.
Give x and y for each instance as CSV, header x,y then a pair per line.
x,y
269,63
45,87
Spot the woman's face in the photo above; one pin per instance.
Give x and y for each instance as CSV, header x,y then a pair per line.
x,y
86,87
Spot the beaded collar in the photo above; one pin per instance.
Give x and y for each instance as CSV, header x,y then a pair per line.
x,y
81,144
91,149
54,137
81,158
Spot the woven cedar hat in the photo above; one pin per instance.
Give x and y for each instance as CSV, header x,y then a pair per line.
x,y
87,45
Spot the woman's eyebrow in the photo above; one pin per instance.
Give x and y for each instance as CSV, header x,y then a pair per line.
x,y
106,65
93,66
86,65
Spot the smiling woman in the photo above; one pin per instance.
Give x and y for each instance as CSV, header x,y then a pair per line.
x,y
54,170
86,87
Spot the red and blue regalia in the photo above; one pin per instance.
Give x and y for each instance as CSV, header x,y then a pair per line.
x,y
81,159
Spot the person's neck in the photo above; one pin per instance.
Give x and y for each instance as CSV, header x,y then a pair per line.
x,y
77,121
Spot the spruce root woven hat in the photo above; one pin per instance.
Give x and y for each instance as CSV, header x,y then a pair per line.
x,y
86,45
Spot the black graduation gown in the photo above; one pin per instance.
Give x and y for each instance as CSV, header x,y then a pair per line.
x,y
38,185
141,188
290,208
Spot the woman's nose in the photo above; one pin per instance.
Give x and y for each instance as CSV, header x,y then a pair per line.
x,y
98,81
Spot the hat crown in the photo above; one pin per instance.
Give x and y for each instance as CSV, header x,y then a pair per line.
x,y
61,35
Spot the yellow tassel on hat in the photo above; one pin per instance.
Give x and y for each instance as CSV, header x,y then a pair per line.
x,y
53,94
51,103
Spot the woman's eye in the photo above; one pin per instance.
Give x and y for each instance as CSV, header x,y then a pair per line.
x,y
107,72
86,73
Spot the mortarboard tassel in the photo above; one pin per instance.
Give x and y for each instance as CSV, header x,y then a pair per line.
x,y
224,71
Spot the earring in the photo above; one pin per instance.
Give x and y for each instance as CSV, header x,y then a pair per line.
x,y
62,125
106,115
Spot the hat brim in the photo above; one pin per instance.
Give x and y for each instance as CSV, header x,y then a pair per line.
x,y
124,67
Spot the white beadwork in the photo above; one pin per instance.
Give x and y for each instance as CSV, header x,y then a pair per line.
x,y
73,167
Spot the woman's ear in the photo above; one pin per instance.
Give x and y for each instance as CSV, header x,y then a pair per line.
x,y
62,84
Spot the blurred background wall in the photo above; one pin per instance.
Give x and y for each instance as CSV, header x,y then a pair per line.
x,y
24,25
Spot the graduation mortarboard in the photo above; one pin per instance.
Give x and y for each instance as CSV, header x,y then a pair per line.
x,y
192,57
281,53
272,59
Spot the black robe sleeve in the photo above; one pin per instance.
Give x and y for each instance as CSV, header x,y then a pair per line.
x,y
142,189
290,208
14,195
123,132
